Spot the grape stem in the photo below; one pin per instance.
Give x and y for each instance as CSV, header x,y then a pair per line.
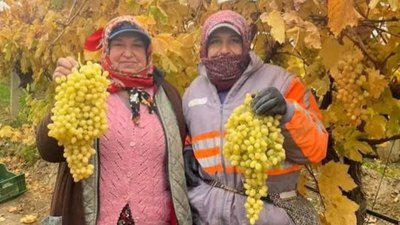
x,y
380,140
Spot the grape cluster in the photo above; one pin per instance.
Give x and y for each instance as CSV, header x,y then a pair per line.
x,y
79,115
349,81
254,144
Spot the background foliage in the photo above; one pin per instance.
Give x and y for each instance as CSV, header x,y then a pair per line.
x,y
347,52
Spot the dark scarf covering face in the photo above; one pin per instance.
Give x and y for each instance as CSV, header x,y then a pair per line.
x,y
224,70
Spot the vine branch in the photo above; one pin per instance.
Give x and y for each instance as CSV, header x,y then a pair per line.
x,y
318,190
393,19
380,29
380,140
68,23
72,8
359,43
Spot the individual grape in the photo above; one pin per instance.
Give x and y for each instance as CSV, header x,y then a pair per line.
x,y
79,116
254,144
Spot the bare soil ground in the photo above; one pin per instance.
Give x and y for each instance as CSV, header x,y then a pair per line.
x,y
35,202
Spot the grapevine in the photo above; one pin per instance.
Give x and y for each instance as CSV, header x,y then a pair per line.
x,y
254,144
79,116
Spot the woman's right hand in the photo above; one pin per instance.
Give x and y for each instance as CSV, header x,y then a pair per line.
x,y
64,67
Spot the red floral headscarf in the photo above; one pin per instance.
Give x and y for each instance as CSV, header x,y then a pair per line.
x,y
120,79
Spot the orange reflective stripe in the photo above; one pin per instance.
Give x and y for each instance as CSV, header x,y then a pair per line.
x,y
213,169
232,169
206,152
207,135
276,172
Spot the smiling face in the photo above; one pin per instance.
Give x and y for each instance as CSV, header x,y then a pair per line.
x,y
128,52
224,41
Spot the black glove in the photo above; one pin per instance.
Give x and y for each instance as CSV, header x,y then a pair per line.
x,y
191,168
269,102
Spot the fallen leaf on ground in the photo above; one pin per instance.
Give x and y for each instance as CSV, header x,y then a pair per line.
x,y
29,219
14,209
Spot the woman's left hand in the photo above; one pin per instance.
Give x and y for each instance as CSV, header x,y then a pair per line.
x,y
269,102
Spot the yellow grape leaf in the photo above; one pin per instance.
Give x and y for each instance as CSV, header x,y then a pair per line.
x,y
394,121
340,210
313,38
146,21
321,85
385,104
29,219
259,45
187,39
6,131
334,178
275,20
194,4
394,4
376,82
376,126
372,4
341,14
100,22
331,52
167,64
165,42
160,46
354,148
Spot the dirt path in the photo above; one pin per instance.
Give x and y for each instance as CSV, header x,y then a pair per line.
x,y
36,200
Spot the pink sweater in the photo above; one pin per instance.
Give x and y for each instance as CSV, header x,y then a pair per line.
x,y
132,167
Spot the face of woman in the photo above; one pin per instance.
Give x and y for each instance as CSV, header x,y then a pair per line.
x,y
224,41
128,53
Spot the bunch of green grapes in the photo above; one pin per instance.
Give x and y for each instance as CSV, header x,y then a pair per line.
x,y
79,115
254,144
349,81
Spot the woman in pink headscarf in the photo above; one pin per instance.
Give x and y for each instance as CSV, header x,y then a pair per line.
x,y
139,176
228,71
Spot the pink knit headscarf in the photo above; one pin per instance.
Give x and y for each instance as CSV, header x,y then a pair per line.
x,y
224,70
226,16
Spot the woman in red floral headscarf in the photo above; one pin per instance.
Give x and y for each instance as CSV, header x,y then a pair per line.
x,y
139,177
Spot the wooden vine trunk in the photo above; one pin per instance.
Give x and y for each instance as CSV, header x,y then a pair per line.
x,y
14,95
